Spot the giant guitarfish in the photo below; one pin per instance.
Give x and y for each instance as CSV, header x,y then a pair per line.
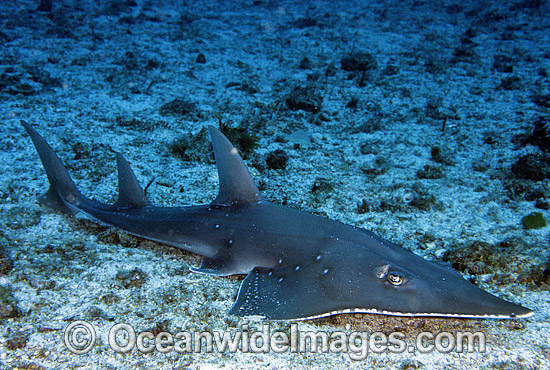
x,y
299,265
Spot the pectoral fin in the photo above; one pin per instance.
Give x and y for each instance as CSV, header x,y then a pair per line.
x,y
280,294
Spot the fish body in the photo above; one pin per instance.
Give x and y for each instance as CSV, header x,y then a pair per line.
x,y
298,265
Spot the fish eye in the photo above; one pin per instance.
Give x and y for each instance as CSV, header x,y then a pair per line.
x,y
395,278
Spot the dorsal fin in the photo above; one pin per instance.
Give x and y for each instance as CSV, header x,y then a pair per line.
x,y
130,194
236,184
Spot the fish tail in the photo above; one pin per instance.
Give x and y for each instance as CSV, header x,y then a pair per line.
x,y
62,194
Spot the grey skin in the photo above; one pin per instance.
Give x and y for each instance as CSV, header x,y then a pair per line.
x,y
299,266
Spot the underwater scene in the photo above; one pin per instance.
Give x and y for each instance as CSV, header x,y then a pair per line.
x,y
263,184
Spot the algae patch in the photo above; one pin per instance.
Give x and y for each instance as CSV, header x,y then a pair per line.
x,y
534,220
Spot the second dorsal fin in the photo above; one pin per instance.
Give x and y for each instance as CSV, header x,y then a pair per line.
x,y
236,184
130,194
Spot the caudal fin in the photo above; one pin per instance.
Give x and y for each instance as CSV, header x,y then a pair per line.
x,y
62,194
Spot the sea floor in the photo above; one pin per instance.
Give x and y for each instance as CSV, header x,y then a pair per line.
x,y
407,118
